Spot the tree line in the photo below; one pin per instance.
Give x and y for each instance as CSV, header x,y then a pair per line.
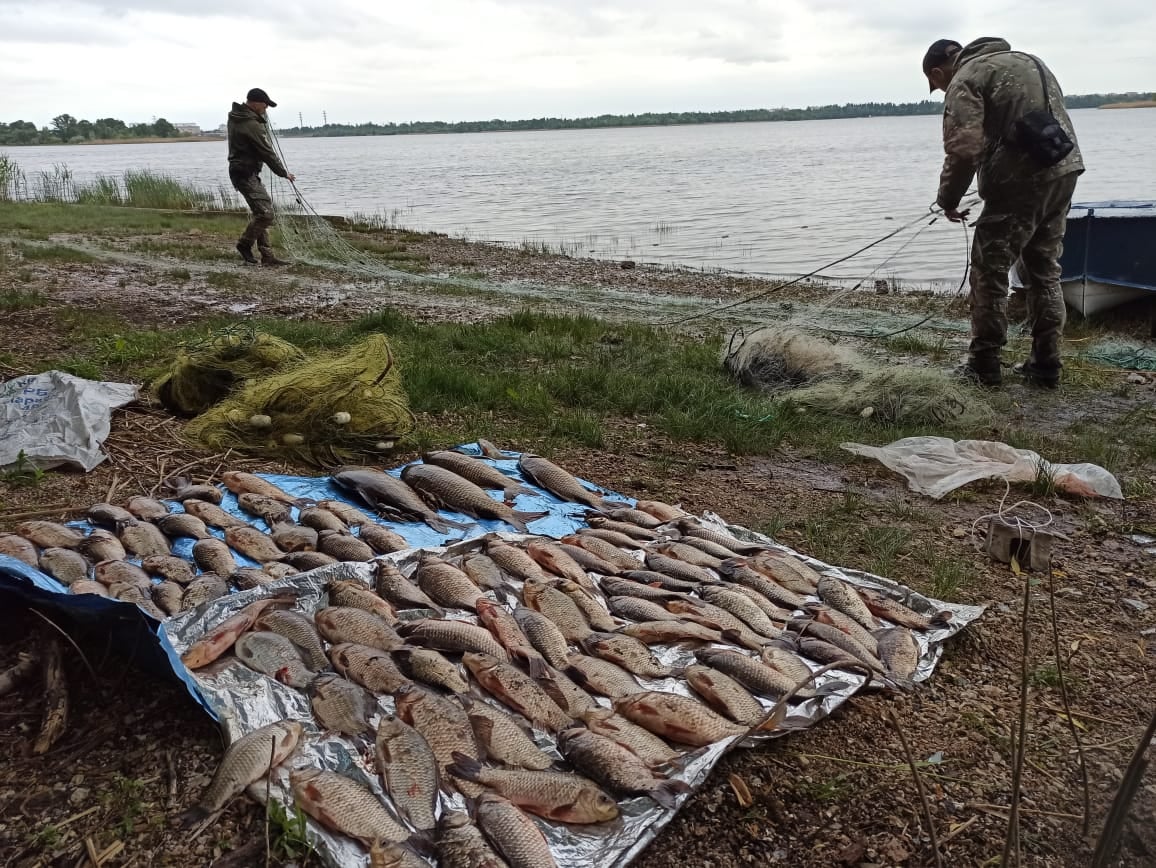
x,y
66,129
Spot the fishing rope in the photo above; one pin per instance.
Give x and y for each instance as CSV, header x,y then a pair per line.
x,y
1007,514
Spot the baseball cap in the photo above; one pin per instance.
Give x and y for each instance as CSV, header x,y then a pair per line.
x,y
258,95
938,55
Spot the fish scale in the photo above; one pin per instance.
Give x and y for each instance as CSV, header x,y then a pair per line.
x,y
408,770
513,560
299,630
679,569
669,632
557,481
340,705
506,630
725,695
343,546
102,545
738,573
213,515
741,607
372,668
64,565
430,667
390,496
606,762
614,537
840,595
505,740
635,534
446,635
345,624
596,616
446,584
558,607
273,655
478,472
644,744
381,539
841,621
144,540
558,796
460,844
567,695
514,834
345,806
544,635
627,652
899,652
690,554
356,595
447,489
602,676
692,527
556,560
836,637
519,691
588,560
749,672
391,585
445,727
679,718
239,482
612,554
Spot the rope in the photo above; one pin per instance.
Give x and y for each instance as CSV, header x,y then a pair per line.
x,y
1007,514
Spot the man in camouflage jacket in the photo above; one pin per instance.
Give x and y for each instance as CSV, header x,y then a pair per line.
x,y
249,151
988,87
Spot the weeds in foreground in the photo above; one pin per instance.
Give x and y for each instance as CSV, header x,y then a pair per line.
x,y
288,838
13,299
948,577
23,473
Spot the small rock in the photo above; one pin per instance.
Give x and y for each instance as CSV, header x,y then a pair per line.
x,y
79,796
867,412
1151,631
1135,605
959,533
627,264
1137,379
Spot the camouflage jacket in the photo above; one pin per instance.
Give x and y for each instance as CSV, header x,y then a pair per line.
x,y
249,146
992,88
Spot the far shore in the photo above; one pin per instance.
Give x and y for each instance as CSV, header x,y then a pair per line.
x,y
1143,103
144,140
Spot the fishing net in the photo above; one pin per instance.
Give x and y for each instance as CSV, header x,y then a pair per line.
x,y
777,356
1123,355
204,372
331,409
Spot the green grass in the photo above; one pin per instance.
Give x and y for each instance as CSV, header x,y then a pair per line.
x,y
22,473
288,838
12,299
43,220
52,253
948,576
913,343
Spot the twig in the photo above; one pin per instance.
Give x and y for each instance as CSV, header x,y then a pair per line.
x,y
1012,841
55,718
1113,825
1067,706
62,509
71,641
1083,715
983,806
958,830
268,783
93,856
927,817
112,487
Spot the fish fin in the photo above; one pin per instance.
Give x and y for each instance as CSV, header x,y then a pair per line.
x,y
667,793
539,668
465,767
444,525
422,843
732,637
941,619
579,678
193,816
176,483
831,687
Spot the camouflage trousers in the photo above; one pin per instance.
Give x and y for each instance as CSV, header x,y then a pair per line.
x,y
1029,228
261,204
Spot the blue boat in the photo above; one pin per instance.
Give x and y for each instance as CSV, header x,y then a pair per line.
x,y
1109,255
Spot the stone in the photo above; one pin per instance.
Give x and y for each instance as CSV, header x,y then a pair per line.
x,y
79,796
1135,605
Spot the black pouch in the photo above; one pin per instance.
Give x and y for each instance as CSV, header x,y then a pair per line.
x,y
1040,134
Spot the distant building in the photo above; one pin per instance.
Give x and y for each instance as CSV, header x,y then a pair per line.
x,y
223,130
188,129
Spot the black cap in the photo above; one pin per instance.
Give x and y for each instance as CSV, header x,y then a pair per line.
x,y
940,52
258,95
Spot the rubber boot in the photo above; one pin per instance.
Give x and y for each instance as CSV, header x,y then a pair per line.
x,y
982,372
245,248
267,258
1043,367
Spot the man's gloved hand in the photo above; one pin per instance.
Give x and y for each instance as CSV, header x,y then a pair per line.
x,y
955,215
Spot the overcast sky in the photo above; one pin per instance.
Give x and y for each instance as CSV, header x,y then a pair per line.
x,y
360,60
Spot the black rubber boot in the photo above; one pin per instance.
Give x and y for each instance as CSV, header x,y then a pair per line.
x,y
1043,376
267,258
985,374
245,248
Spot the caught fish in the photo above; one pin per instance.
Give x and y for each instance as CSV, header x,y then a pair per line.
x,y
679,569
253,544
88,587
775,613
340,624
839,595
615,538
725,695
512,833
644,744
900,654
49,534
117,572
489,450
627,652
692,527
64,565
660,580
270,509
138,595
168,567
345,806
588,560
293,537
584,599
567,695
742,607
382,540
616,587
690,554
273,655
558,607
146,509
450,491
483,572
634,533
144,540
304,561
102,545
444,725
181,488
824,652
628,515
460,844
446,584
245,762
789,572
606,762
299,630
602,676
602,549
222,637
391,497
431,667
639,610
15,546
181,524
478,472
340,705
318,518
239,482
351,515
671,632
356,595
202,589
109,516
556,796
733,628
503,738
707,547
213,556
787,661
544,635
408,770
894,611
169,597
836,637
545,474
826,615
510,685
506,630
455,636
278,570
555,559
391,585
736,571
213,515
753,674
513,560
664,512
344,547
372,668
394,856
679,718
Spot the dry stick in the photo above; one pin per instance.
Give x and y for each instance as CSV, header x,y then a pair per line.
x,y
1067,707
1113,825
1013,837
55,698
927,818
61,509
71,641
268,781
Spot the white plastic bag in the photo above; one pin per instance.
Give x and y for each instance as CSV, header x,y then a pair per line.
x,y
937,465
55,418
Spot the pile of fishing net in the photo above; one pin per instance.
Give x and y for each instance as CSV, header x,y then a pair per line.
x,y
811,372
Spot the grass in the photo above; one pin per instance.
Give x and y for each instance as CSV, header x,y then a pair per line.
x,y
948,576
22,473
12,299
913,343
52,253
288,838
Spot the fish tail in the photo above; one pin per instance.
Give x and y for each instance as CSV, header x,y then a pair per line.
x,y
941,619
667,793
539,669
176,483
465,767
733,637
193,816
521,519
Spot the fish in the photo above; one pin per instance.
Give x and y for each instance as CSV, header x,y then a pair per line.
x,y
512,833
109,516
661,580
555,559
338,624
742,607
503,738
748,671
392,497
545,474
213,556
409,771
789,572
602,676
305,561
49,534
293,537
679,718
643,743
272,510
711,548
615,538
628,515
391,585
558,607
382,540
671,632
894,611
343,546
318,518
787,661
444,725
299,630
372,668
431,667
834,636
446,584
589,602
351,515
635,534
253,544
544,635
489,450
693,527
513,560
506,630
627,652
202,589
618,769
460,844
734,630
839,595
138,595
737,572
567,695
639,610
345,806
483,572
616,587
213,515
113,572
144,540
556,796
278,570
15,546
182,488
102,545
478,472
458,636
826,615
725,695
146,509
587,559
664,512
394,856
169,567
900,654
447,490
169,597
690,554
181,524
775,613
357,595
273,655
679,569
245,762
88,587
239,482
513,687
64,565
340,705
604,550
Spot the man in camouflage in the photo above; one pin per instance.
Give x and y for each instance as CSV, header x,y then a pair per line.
x,y
249,150
988,87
